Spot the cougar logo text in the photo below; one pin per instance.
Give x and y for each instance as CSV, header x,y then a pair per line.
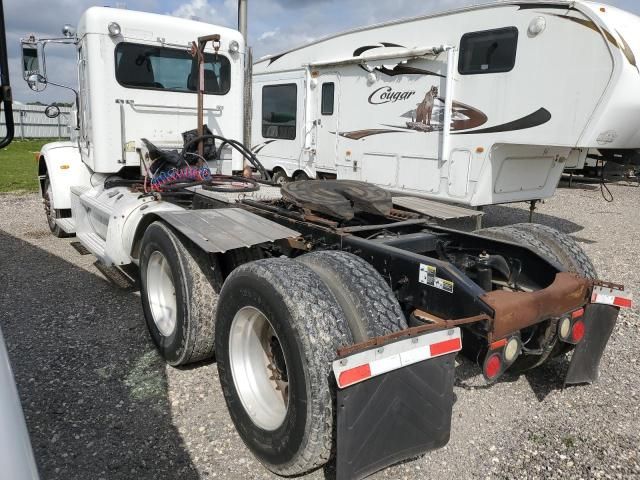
x,y
388,95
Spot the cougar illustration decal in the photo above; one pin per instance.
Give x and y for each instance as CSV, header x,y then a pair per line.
x,y
425,108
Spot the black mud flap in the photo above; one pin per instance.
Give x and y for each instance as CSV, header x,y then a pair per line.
x,y
599,322
394,417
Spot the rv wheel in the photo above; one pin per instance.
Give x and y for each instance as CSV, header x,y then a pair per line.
x,y
179,290
277,330
367,301
279,177
300,176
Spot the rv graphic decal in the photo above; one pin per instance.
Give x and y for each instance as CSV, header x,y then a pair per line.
x,y
622,45
359,134
465,118
425,108
260,146
626,49
275,57
387,95
537,6
537,118
428,115
398,69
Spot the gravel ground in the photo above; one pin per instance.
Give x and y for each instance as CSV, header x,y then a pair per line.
x,y
100,403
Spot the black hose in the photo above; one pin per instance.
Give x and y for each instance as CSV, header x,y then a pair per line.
x,y
604,189
246,153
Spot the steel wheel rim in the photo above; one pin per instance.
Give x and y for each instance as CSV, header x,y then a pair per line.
x,y
258,368
161,294
51,213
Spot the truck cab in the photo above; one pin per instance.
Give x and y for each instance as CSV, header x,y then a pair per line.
x,y
136,79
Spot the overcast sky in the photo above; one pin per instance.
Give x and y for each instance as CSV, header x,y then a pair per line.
x,y
274,25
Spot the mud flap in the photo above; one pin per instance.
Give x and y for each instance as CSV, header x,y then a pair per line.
x,y
395,416
599,323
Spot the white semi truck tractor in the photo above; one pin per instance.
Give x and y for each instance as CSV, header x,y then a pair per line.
x,y
334,317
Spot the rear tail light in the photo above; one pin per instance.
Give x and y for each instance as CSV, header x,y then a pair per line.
x,y
502,353
512,350
571,328
565,328
492,366
577,332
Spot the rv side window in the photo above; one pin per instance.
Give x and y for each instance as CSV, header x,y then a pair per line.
x,y
328,90
491,51
279,104
172,69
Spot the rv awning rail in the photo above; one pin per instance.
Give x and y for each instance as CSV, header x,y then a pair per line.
x,y
405,53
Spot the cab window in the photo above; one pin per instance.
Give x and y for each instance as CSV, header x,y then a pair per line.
x,y
171,69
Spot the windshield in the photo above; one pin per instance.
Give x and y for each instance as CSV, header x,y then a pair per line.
x,y
159,68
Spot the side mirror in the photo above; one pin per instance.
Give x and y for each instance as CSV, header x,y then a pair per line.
x,y
68,30
37,82
31,60
52,111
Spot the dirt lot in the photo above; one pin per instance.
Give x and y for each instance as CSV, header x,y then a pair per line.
x,y
100,404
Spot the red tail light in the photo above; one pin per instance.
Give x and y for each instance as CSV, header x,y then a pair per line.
x,y
571,328
577,332
492,366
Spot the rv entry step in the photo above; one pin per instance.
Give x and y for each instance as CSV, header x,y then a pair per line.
x,y
438,210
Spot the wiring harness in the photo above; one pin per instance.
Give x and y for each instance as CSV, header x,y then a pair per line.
x,y
165,175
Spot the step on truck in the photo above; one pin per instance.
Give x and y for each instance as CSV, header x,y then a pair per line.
x,y
334,318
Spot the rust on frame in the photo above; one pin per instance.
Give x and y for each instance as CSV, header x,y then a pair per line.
x,y
517,310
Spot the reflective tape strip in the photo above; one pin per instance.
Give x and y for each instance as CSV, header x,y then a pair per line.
x,y
360,366
615,300
611,296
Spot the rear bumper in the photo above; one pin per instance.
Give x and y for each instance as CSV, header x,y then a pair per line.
x,y
517,310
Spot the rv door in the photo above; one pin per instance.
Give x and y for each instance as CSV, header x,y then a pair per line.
x,y
327,122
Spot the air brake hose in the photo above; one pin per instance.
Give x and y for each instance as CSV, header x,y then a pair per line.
x,y
246,153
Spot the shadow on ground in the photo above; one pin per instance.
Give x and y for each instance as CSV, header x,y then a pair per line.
x,y
543,379
93,389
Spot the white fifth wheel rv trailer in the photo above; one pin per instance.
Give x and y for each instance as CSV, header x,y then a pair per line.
x,y
477,106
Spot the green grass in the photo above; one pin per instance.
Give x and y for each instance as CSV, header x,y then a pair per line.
x,y
18,168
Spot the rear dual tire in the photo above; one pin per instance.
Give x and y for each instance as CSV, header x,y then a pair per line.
x,y
296,302
179,291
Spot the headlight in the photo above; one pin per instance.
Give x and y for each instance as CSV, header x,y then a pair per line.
x,y
234,47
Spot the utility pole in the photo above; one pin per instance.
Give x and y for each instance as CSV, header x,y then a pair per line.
x,y
243,29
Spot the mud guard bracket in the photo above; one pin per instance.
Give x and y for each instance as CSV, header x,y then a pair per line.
x,y
393,417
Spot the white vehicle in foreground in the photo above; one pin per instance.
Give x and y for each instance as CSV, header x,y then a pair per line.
x,y
334,318
482,105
